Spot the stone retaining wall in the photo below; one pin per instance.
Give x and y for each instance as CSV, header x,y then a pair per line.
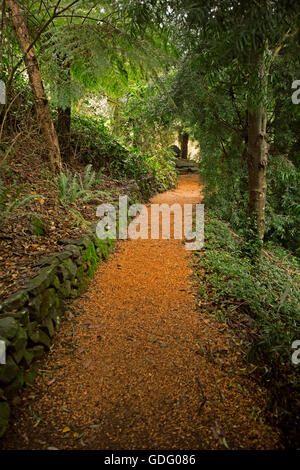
x,y
30,317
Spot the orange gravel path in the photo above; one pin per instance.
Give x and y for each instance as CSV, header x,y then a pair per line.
x,y
137,365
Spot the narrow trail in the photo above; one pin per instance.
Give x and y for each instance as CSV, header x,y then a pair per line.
x,y
137,365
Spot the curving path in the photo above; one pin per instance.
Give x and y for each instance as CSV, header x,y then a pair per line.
x,y
137,365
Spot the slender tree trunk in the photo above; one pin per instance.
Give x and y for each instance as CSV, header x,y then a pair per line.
x,y
257,154
64,132
64,113
41,103
184,145
116,119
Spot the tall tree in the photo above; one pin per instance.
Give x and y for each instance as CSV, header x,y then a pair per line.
x,y
40,99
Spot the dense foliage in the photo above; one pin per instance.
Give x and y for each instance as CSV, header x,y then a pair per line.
x,y
262,304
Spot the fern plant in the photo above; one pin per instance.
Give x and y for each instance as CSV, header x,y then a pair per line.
x,y
72,187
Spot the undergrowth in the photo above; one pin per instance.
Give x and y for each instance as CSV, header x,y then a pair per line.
x,y
93,144
74,186
267,294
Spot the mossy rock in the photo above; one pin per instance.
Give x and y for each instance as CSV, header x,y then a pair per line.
x,y
65,289
64,255
86,241
47,260
56,318
35,307
56,283
48,327
39,283
73,250
40,337
63,274
80,272
83,285
34,353
15,301
6,341
19,344
8,327
50,300
27,358
70,267
8,371
22,316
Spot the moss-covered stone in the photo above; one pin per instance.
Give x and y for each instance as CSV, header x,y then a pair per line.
x,y
36,352
49,301
35,307
39,283
73,250
56,318
86,241
8,327
74,293
31,327
62,256
71,268
8,371
15,301
55,282
80,273
65,289
6,341
18,345
47,260
21,316
28,357
80,260
40,337
48,327
4,416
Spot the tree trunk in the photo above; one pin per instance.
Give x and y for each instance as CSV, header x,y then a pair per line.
x,y
184,145
116,119
40,100
64,132
257,155
63,124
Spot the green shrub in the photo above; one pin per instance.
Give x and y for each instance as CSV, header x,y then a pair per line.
x,y
261,289
153,172
267,295
72,187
